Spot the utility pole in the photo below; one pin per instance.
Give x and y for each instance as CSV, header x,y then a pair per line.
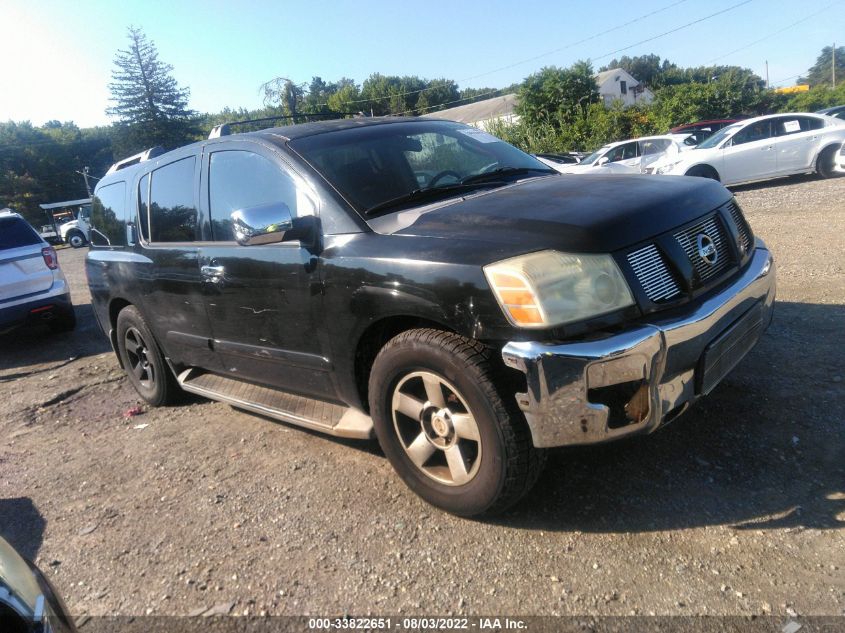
x,y
85,171
767,74
833,66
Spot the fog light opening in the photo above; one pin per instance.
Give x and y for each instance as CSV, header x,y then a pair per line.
x,y
628,402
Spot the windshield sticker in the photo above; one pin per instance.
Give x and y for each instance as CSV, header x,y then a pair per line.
x,y
479,135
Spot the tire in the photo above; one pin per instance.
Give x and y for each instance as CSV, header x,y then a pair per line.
x,y
63,322
703,171
76,239
495,463
826,162
142,359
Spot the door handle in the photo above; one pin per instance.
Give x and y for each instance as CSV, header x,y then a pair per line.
x,y
214,273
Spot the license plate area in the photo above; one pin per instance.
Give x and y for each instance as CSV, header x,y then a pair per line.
x,y
725,351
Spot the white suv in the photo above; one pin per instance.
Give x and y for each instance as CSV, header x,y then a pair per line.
x,y
32,286
765,147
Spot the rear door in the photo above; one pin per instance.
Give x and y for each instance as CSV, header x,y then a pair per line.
x,y
22,268
796,139
750,155
173,303
264,301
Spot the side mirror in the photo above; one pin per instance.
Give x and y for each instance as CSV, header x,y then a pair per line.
x,y
263,224
604,160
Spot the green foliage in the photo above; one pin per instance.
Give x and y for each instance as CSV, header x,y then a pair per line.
x,y
41,164
820,73
557,96
150,106
816,98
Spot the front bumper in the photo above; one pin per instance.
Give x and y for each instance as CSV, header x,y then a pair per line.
x,y
630,383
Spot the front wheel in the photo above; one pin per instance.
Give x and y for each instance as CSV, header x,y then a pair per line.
x,y
445,427
143,360
76,239
826,162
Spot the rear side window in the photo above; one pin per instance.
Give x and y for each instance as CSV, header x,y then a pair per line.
x,y
15,232
108,216
240,180
172,210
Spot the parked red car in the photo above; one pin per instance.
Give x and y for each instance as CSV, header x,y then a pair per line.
x,y
700,130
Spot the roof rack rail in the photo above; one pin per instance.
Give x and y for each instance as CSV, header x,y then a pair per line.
x,y
140,157
224,129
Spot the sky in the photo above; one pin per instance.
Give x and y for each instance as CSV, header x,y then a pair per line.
x,y
58,54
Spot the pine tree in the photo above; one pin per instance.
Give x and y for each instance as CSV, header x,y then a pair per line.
x,y
151,107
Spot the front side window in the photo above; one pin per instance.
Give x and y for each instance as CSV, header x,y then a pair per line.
x,y
172,210
108,216
623,152
759,131
655,146
241,180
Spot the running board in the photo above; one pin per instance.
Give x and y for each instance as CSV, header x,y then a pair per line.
x,y
334,419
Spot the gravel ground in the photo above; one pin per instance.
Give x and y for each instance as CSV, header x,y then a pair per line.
x,y
736,508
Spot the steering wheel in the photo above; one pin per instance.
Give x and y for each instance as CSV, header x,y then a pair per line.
x,y
443,174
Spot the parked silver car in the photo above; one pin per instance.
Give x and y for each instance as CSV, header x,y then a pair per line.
x,y
32,286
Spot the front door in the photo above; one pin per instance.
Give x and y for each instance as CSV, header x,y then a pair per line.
x,y
751,154
264,301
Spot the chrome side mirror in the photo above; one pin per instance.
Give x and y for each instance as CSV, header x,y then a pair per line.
x,y
263,224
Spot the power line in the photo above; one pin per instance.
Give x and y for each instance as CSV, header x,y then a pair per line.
x,y
525,61
625,48
770,35
675,30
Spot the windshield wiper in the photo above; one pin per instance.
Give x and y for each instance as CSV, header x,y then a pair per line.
x,y
427,193
504,171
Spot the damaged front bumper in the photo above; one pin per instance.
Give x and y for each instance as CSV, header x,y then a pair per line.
x,y
632,382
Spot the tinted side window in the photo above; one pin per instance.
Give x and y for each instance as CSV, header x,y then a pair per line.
x,y
812,123
240,180
15,232
108,216
754,132
784,126
173,215
143,205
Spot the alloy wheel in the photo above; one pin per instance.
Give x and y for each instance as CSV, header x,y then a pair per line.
x,y
436,428
137,353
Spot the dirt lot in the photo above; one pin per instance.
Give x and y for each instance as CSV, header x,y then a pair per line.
x,y
736,508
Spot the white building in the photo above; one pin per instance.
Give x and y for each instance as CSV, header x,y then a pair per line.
x,y
619,84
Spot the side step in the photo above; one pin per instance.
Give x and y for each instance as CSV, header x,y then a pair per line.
x,y
317,415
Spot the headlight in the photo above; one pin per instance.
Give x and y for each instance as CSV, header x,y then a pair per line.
x,y
549,288
665,169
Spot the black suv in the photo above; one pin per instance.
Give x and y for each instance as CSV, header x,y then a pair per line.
x,y
426,282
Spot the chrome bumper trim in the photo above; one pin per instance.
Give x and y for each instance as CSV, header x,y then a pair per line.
x,y
663,353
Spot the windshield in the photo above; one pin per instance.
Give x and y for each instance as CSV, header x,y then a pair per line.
x,y
381,164
589,160
718,137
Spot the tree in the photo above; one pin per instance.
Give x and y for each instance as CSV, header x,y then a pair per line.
x,y
288,95
151,107
558,96
820,72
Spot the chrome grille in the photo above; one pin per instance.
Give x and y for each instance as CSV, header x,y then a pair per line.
x,y
652,273
688,241
741,226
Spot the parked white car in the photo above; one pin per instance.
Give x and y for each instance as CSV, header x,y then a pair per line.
x,y
764,147
32,286
631,156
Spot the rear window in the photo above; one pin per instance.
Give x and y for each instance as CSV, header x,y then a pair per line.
x,y
15,232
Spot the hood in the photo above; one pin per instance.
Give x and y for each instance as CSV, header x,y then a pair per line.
x,y
588,214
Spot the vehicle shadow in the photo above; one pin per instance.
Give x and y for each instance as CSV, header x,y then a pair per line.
x,y
775,184
766,449
22,525
36,344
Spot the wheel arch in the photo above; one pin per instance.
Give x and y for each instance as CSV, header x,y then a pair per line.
x,y
702,167
375,336
115,306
